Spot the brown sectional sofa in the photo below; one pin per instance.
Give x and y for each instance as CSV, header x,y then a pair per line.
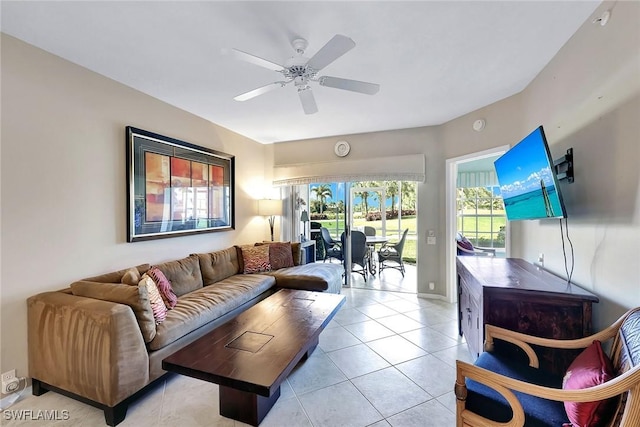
x,y
101,347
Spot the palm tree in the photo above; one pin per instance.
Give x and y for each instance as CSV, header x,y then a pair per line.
x,y
408,195
364,195
323,191
392,191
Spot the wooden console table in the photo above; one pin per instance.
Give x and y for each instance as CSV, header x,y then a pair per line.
x,y
516,295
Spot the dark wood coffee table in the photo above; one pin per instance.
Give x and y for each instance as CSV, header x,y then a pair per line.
x,y
250,355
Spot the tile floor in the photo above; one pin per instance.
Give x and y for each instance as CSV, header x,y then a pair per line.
x,y
387,359
389,280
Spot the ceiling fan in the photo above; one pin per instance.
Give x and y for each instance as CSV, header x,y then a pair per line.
x,y
301,70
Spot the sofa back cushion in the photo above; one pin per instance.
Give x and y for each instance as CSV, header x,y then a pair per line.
x,y
184,274
218,265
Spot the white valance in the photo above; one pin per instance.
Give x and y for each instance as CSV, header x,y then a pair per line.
x,y
477,179
393,168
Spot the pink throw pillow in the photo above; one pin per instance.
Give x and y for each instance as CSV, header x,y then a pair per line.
x,y
590,368
164,286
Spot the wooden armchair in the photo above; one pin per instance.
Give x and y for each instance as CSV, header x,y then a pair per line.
x,y
624,339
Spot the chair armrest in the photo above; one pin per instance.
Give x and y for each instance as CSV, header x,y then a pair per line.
x,y
504,385
491,251
524,341
90,347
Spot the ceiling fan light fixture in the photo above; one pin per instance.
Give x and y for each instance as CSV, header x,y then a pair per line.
x,y
302,70
299,45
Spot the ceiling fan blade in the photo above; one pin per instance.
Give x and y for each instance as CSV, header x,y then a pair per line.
x,y
308,101
334,49
347,84
256,60
259,91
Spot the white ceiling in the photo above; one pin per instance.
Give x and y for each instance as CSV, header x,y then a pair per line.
x,y
434,60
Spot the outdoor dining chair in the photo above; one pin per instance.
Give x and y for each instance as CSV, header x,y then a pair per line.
x,y
390,255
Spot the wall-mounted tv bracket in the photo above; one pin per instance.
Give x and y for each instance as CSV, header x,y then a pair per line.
x,y
564,166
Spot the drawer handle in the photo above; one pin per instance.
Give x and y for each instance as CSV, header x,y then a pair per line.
x,y
468,310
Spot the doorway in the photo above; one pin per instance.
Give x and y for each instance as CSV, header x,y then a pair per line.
x,y
388,207
484,162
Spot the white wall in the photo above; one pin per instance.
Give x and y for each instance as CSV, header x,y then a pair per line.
x,y
64,181
588,98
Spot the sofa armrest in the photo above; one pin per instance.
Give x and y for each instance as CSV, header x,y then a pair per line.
x,y
89,347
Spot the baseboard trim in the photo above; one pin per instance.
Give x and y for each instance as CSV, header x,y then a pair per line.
x,y
432,296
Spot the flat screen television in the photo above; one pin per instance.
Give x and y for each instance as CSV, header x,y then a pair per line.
x,y
528,181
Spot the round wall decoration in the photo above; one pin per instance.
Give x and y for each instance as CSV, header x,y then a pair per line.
x,y
342,148
479,124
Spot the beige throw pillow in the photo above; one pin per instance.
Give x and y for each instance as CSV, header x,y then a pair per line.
x,y
157,304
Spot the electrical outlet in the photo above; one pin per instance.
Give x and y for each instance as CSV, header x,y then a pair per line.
x,y
8,376
432,286
541,258
9,382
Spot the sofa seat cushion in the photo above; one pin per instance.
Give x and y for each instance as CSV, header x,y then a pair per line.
x,y
183,274
490,404
310,277
206,304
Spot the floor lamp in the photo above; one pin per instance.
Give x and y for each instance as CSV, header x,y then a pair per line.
x,y
270,208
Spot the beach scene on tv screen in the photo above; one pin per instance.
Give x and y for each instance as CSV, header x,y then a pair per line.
x,y
526,181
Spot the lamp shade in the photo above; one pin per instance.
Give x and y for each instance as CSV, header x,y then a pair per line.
x,y
269,207
304,216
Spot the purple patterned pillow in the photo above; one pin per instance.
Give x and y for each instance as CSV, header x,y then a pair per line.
x,y
256,259
465,244
164,286
280,255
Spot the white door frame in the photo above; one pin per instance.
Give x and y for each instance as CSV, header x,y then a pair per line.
x,y
451,218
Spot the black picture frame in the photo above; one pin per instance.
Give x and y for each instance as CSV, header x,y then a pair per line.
x,y
175,188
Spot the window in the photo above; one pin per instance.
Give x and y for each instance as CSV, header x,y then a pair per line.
x,y
481,217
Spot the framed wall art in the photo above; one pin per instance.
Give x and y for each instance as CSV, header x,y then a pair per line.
x,y
175,188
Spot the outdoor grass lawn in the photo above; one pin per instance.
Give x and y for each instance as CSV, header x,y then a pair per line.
x,y
471,224
481,224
